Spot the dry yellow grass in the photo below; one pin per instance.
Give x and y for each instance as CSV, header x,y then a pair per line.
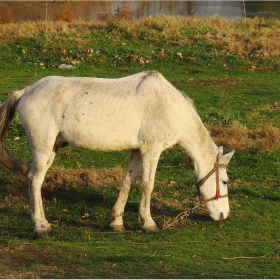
x,y
257,37
241,138
60,177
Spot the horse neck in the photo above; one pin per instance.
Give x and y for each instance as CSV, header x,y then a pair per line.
x,y
200,146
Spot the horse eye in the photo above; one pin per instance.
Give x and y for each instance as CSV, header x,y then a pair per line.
x,y
225,182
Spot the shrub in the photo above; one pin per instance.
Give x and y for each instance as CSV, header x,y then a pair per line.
x,y
122,12
66,14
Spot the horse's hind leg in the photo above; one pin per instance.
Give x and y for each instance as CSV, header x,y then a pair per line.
x,y
132,171
40,164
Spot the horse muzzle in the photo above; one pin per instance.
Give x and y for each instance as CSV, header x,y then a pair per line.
x,y
219,216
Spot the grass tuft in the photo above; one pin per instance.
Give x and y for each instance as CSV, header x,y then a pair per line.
x,y
240,138
61,178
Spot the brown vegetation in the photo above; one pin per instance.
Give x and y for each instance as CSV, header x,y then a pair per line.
x,y
122,12
67,14
241,138
60,178
257,37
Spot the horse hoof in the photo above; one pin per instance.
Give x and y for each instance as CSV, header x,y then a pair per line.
x,y
120,228
41,234
151,229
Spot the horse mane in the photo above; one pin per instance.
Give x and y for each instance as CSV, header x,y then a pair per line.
x,y
189,100
150,73
154,73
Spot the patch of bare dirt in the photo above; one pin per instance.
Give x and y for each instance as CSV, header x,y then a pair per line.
x,y
263,69
221,82
20,262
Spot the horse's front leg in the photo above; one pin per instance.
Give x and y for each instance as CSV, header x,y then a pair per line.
x,y
132,171
150,161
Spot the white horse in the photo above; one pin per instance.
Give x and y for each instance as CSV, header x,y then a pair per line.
x,y
141,112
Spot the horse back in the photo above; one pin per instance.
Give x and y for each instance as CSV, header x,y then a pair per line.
x,y
103,114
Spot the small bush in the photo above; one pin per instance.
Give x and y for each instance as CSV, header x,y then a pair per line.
x,y
122,12
66,14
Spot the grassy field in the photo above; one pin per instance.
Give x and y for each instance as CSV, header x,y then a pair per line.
x,y
231,70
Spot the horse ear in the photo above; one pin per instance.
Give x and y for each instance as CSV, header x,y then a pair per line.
x,y
226,158
221,150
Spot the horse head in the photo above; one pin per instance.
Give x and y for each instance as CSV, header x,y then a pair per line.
x,y
213,188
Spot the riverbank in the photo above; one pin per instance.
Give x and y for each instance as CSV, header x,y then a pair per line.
x,y
249,38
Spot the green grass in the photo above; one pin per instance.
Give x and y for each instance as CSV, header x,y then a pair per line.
x,y
225,90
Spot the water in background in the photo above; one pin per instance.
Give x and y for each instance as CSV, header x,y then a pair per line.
x,y
88,10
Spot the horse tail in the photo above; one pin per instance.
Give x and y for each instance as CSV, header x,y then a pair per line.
x,y
7,112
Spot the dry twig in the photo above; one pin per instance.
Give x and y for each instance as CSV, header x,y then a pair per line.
x,y
234,258
185,214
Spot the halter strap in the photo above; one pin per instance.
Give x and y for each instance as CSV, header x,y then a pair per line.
x,y
215,170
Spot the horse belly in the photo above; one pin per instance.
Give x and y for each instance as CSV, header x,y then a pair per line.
x,y
101,132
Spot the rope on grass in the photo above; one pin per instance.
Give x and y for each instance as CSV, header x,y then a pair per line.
x,y
182,215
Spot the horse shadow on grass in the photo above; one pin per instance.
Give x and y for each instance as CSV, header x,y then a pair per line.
x,y
91,207
74,205
15,219
63,203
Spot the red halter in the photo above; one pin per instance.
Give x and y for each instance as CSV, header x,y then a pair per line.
x,y
215,170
